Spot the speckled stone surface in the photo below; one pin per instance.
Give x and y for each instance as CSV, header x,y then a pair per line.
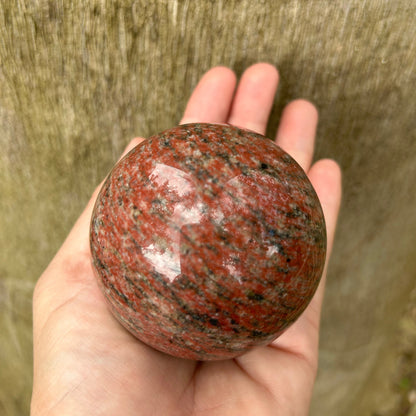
x,y
207,240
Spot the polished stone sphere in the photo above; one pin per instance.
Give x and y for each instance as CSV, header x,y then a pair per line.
x,y
207,240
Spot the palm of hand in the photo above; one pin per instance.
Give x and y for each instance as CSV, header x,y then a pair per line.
x,y
86,363
102,368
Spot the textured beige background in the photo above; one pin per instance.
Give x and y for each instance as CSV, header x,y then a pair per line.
x,y
78,79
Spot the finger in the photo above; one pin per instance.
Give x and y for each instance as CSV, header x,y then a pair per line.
x,y
303,336
297,129
133,143
325,176
211,99
254,97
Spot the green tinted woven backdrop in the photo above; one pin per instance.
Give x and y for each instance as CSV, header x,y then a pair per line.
x,y
79,79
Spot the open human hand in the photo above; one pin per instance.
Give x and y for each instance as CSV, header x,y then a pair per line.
x,y
86,363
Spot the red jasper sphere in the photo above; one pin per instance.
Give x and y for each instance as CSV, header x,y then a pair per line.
x,y
207,240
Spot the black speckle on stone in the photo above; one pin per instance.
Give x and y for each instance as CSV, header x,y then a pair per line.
x,y
198,130
214,322
99,264
223,237
165,142
264,166
199,317
295,213
271,232
258,297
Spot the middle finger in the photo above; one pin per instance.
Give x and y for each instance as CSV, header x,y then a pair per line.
x,y
254,97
